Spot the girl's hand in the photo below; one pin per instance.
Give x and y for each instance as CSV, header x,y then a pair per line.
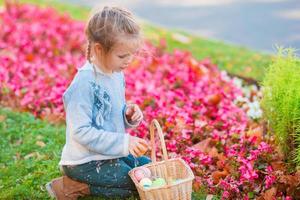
x,y
137,146
133,113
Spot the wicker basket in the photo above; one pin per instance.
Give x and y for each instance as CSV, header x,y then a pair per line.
x,y
169,169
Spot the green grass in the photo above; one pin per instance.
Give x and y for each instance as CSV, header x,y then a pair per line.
x,y
26,165
234,59
281,102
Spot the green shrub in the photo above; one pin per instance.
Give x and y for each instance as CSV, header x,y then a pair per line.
x,y
281,102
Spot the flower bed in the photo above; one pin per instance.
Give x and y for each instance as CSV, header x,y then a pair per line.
x,y
198,106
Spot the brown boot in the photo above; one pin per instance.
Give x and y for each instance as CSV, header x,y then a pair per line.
x,y
64,188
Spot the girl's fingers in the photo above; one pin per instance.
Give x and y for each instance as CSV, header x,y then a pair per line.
x,y
134,113
129,111
130,152
140,118
137,116
133,153
134,118
144,143
142,149
136,152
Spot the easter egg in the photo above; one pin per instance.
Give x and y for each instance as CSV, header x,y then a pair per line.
x,y
139,174
147,172
145,182
158,182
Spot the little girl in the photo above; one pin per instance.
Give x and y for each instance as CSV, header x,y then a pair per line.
x,y
98,153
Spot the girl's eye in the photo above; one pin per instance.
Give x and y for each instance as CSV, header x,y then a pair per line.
x,y
123,56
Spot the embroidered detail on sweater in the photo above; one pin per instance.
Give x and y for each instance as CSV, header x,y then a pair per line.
x,y
102,105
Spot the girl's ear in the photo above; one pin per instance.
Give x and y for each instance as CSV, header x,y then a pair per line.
x,y
98,49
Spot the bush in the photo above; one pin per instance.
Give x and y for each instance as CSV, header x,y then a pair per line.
x,y
281,103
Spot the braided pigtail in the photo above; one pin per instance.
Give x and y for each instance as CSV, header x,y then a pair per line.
x,y
88,52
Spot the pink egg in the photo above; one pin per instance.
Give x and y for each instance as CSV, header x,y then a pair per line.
x,y
147,172
139,174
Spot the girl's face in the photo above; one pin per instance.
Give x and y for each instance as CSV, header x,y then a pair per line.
x,y
121,55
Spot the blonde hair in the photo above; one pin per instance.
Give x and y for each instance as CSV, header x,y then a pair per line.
x,y
107,25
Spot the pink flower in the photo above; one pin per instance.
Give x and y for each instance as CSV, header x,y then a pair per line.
x,y
225,195
269,180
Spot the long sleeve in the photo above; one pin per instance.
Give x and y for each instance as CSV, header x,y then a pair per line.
x,y
79,110
126,122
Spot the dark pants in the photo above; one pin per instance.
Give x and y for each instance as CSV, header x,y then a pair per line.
x,y
107,178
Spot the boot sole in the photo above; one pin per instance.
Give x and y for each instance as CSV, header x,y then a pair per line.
x,y
49,190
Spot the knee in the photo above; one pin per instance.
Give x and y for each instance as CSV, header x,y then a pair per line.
x,y
123,179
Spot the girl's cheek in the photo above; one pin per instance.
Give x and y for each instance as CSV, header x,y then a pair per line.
x,y
128,60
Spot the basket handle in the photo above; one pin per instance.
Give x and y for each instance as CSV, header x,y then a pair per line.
x,y
154,124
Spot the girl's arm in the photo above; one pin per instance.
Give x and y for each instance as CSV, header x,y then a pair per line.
x,y
126,122
78,105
